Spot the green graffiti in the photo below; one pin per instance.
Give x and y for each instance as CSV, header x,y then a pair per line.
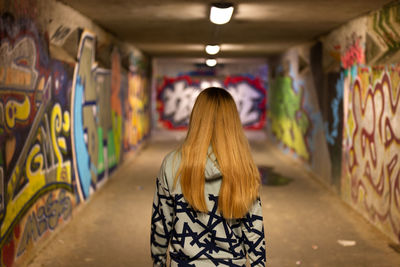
x,y
289,122
117,131
112,160
100,158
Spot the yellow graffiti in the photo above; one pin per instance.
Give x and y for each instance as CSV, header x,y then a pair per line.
x,y
291,135
117,130
67,123
36,158
136,122
63,170
15,110
35,169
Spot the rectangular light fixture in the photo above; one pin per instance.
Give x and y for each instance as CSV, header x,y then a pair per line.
x,y
221,13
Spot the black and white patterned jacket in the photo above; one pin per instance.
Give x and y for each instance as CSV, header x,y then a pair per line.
x,y
200,239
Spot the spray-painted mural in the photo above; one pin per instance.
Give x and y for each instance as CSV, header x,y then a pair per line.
x,y
371,182
137,111
294,115
290,122
383,38
35,134
176,97
61,132
108,110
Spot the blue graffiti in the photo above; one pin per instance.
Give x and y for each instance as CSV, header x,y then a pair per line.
x,y
82,154
332,135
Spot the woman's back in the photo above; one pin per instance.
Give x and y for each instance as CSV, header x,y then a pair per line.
x,y
206,205
202,239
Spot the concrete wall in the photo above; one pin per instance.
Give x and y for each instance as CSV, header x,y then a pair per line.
x,y
179,81
348,89
74,102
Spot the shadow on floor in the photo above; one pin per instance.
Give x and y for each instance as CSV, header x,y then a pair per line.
x,y
271,178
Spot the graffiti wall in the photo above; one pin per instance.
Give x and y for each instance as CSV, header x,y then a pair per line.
x,y
177,93
176,97
294,116
64,128
338,99
371,148
383,38
35,131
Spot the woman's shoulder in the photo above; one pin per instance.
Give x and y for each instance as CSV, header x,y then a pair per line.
x,y
171,158
170,165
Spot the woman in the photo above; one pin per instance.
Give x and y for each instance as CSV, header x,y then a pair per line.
x,y
206,205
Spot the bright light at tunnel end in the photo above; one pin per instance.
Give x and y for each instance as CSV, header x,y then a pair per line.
x,y
221,13
211,62
212,49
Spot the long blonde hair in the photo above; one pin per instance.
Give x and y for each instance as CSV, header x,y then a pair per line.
x,y
215,121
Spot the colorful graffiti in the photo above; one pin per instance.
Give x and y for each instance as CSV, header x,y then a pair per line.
x,y
353,52
136,123
371,182
176,97
332,130
345,46
35,129
290,122
383,36
45,216
96,119
61,130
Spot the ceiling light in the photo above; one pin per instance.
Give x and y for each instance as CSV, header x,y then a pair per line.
x,y
221,13
211,62
212,49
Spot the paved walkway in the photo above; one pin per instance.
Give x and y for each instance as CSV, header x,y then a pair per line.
x,y
303,221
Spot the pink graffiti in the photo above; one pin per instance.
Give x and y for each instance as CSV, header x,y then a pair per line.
x,y
353,54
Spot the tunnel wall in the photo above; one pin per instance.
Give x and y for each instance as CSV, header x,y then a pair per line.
x,y
73,103
355,74
178,82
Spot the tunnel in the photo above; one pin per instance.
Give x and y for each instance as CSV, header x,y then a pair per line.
x,y
95,94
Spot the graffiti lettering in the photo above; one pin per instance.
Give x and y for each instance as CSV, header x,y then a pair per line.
x,y
17,111
331,135
97,117
177,96
27,182
60,34
372,142
289,121
45,218
354,53
17,64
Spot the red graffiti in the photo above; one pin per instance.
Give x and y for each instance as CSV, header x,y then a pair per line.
x,y
354,54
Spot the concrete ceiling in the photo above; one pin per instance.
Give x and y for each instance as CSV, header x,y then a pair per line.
x,y
181,28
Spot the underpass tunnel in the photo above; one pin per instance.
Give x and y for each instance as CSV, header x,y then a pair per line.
x,y
95,94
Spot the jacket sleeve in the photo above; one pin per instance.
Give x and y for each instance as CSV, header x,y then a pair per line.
x,y
161,221
253,235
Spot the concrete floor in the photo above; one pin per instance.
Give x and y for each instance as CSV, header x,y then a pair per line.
x,y
303,221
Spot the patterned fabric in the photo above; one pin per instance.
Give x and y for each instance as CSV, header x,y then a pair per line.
x,y
199,239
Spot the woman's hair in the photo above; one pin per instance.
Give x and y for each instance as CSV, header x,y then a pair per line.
x,y
215,121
